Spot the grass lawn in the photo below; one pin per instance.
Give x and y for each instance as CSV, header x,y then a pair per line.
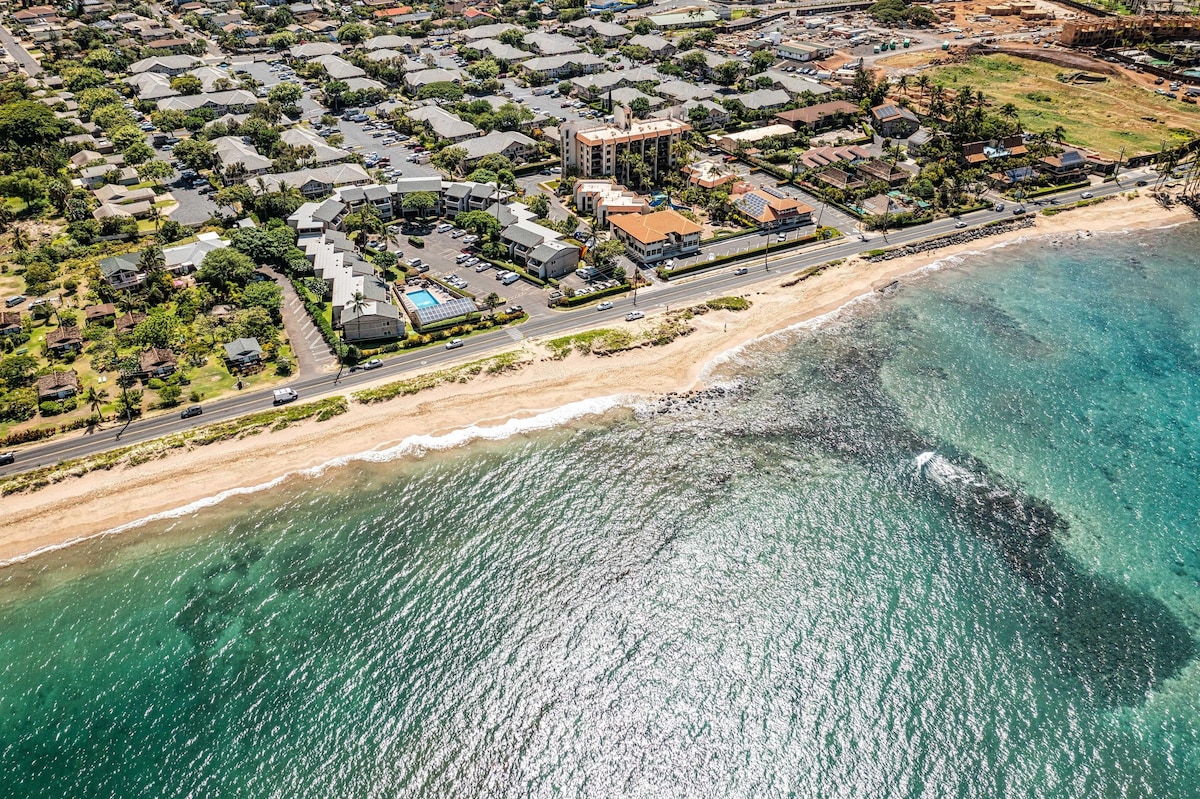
x,y
1104,116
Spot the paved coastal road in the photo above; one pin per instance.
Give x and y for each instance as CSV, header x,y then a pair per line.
x,y
28,63
719,282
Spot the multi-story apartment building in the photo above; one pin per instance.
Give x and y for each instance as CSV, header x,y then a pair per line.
x,y
614,149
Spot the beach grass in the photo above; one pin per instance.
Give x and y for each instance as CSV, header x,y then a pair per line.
x,y
1108,117
511,361
134,454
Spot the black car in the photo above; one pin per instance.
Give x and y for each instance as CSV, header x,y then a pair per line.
x,y
7,458
190,411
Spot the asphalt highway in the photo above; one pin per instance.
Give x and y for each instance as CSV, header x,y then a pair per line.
x,y
720,281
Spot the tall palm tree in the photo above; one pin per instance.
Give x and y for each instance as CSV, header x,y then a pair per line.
x,y
95,397
20,239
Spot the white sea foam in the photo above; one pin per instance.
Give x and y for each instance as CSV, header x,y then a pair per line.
x,y
411,447
942,471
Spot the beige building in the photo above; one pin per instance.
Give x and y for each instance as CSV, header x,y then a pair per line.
x,y
601,151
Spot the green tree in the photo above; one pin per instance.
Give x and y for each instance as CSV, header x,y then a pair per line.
x,y
196,154
603,256
187,84
158,329
137,153
727,74
17,370
29,124
449,159
265,294
760,60
422,202
363,224
481,223
155,170
285,94
168,395
353,33
539,204
640,107
224,270
94,398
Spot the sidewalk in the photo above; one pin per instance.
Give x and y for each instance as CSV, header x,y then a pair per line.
x,y
309,347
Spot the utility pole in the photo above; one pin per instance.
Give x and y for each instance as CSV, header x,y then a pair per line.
x,y
1117,168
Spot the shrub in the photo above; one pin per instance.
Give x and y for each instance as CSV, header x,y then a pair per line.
x,y
416,241
50,408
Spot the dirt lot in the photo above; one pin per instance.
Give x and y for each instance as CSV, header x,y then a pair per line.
x,y
1105,117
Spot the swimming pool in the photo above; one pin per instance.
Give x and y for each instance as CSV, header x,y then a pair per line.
x,y
422,299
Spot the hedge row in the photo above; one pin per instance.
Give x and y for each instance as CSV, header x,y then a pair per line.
x,y
667,274
1053,189
41,433
317,312
571,302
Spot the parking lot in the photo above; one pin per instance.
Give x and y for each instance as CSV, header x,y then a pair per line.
x,y
440,252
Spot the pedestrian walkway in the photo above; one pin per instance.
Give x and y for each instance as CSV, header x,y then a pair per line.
x,y
312,353
514,334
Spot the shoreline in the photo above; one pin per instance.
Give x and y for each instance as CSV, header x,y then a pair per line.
x,y
546,393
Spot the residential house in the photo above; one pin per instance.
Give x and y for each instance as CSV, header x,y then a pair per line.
x,y
715,116
539,248
980,152
550,44
311,50
243,353
875,169
166,65
839,179
64,339
499,50
591,28
103,314
657,45
818,157
444,124
1007,178
415,81
238,159
337,67
1066,167
894,121
685,18
234,101
187,258
322,152
762,99
822,116
749,139
319,181
57,386
682,91
157,362
772,210
649,238
486,31
627,94
128,321
556,67
122,271
516,147
10,323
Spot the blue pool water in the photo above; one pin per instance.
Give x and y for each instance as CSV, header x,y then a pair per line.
x,y
423,299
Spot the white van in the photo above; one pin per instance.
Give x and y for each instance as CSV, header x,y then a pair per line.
x,y
509,279
283,395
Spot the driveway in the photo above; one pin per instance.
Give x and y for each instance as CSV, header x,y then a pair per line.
x,y
309,347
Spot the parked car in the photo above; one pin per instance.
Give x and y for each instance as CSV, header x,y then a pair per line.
x,y
454,343
482,266
604,306
190,411
514,309
633,316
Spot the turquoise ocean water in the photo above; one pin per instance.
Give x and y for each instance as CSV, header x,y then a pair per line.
x,y
945,544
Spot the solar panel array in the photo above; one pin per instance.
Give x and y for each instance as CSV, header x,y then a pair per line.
x,y
774,192
450,309
753,204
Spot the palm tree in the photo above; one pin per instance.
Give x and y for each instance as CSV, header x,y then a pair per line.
x,y
902,85
152,259
358,302
95,397
20,239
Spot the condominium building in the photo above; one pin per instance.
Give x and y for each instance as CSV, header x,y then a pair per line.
x,y
616,149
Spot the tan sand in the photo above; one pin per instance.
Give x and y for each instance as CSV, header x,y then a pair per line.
x,y
82,507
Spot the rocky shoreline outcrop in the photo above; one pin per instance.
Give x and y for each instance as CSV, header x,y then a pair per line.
x,y
952,239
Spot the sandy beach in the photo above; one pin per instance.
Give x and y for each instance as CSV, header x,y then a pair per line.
x,y
103,500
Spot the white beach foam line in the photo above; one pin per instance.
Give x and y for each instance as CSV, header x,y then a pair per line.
x,y
413,446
